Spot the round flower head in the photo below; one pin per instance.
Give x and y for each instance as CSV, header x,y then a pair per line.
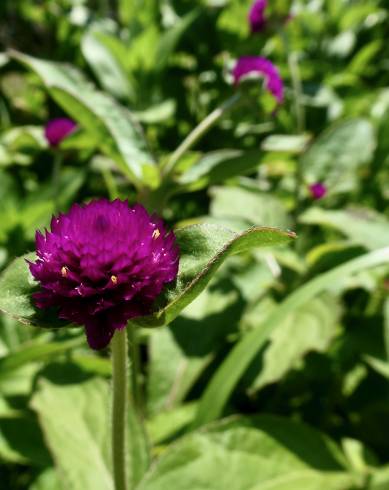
x,y
102,264
318,190
249,65
256,16
57,129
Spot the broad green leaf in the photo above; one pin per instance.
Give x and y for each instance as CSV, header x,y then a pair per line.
x,y
251,205
47,480
16,288
169,39
112,124
203,248
338,153
165,425
218,166
261,453
104,64
363,226
75,421
311,327
227,376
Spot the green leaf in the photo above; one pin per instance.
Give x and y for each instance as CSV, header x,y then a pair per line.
x,y
47,480
75,422
363,226
227,376
169,39
218,166
75,419
104,63
35,353
260,453
203,248
251,205
21,441
338,153
311,327
189,353
286,143
16,288
112,124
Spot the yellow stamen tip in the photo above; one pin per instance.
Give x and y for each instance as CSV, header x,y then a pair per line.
x,y
64,271
156,233
114,279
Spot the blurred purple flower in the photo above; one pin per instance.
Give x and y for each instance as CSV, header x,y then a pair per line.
x,y
103,263
318,190
247,65
256,17
57,129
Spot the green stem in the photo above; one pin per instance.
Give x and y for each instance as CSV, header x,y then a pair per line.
x,y
119,408
297,91
58,159
110,183
198,132
136,381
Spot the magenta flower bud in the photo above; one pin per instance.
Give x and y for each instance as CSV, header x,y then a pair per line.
x,y
256,16
103,263
248,65
317,190
57,129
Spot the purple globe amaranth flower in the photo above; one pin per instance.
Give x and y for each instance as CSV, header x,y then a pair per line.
x,y
318,190
57,129
248,65
103,263
256,17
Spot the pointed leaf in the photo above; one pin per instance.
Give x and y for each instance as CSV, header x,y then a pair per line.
x,y
203,248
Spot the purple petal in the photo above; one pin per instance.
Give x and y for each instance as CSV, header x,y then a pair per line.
x,y
57,129
247,65
256,16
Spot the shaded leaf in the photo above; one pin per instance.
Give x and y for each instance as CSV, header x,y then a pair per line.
x,y
227,376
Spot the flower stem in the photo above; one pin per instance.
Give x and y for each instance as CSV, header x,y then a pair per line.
x,y
198,132
58,158
135,369
119,408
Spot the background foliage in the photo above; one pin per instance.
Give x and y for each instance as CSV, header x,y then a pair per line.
x,y
276,376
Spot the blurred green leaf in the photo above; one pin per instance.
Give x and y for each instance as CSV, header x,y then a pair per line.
x,y
362,226
112,124
169,39
105,65
218,166
338,153
251,205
